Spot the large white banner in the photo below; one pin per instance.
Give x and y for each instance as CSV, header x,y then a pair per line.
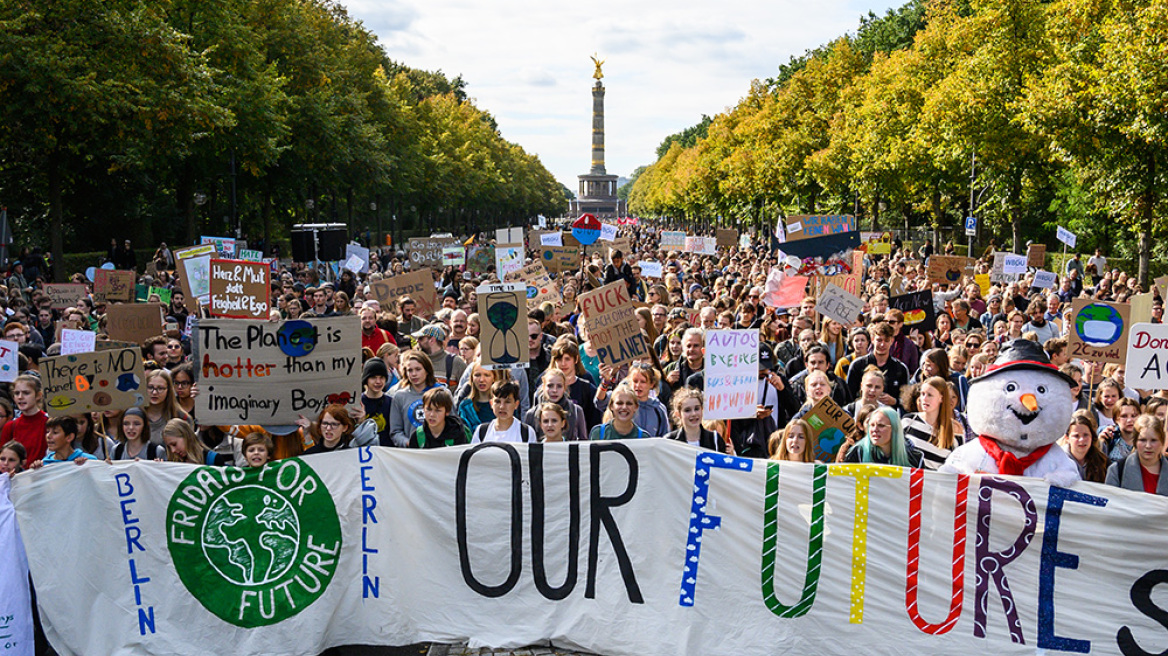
x,y
640,547
15,607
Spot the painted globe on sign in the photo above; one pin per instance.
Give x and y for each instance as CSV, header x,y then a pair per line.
x,y
830,440
251,535
1099,325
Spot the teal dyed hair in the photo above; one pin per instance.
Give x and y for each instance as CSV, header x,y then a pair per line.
x,y
899,455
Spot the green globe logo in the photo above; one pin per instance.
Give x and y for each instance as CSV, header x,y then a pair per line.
x,y
254,546
1099,325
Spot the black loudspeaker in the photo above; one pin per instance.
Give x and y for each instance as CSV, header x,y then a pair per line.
x,y
302,246
332,244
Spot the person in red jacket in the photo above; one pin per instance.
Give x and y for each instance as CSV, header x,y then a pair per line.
x,y
373,337
29,427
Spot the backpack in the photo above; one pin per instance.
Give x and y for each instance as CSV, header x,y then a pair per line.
x,y
420,434
151,451
526,432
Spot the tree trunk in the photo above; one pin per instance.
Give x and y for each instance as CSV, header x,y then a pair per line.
x,y
57,214
1147,204
1015,208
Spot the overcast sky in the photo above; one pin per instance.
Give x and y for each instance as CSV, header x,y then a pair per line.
x,y
666,63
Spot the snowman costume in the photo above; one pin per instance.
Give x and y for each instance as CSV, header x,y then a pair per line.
x,y
1019,407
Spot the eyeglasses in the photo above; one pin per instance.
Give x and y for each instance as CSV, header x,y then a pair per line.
x,y
534,336
151,388
182,383
330,424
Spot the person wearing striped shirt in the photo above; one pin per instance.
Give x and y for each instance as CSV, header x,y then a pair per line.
x,y
933,430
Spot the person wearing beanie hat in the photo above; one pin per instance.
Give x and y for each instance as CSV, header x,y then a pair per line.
x,y
378,404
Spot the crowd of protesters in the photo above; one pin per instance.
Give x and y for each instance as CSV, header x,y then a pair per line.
x,y
424,385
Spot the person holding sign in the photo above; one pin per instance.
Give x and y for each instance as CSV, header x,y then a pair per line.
x,y
883,442
687,413
1144,470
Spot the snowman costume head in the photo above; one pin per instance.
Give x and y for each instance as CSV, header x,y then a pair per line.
x,y
1019,407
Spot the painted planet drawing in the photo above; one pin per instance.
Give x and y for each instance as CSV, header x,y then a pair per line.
x,y
1099,325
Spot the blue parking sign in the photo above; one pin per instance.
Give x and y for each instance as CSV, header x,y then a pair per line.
x,y
971,226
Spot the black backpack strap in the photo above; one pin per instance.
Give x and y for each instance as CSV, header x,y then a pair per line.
x,y
449,369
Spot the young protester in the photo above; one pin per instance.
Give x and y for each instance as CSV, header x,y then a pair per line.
x,y
29,426
895,373
505,427
60,433
333,429
1107,396
162,404
90,440
553,388
1119,439
182,445
378,404
793,443
553,420
1082,445
475,408
441,426
183,377
258,449
884,442
12,458
133,437
406,413
581,390
932,430
390,354
871,391
618,419
652,417
687,415
1145,468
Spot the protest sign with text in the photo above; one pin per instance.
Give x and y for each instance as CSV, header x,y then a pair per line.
x,y
651,269
830,428
1147,357
270,372
194,270
949,269
78,341
361,253
806,226
919,313
1098,330
1044,279
731,374
838,305
1036,255
539,286
1066,236
726,237
93,382
427,252
417,285
110,285
239,289
135,322
672,240
558,259
612,323
502,310
65,295
9,361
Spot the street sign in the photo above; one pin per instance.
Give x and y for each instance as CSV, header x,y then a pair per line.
x,y
971,226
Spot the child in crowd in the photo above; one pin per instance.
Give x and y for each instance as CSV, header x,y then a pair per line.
x,y
441,427
553,419
182,445
59,435
258,449
378,404
505,427
134,438
12,457
28,427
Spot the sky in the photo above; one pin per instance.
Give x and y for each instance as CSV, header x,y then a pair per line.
x,y
665,63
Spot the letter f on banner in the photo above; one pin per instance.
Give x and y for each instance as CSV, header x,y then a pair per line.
x,y
699,520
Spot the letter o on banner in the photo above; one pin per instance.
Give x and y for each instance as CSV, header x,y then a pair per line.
x,y
516,521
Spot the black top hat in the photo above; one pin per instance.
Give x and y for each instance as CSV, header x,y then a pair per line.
x,y
1022,354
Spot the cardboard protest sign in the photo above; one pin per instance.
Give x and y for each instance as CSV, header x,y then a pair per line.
x,y
194,270
726,237
805,226
270,372
65,295
918,311
239,289
9,361
508,258
839,305
1007,266
1098,330
1141,308
1044,279
538,285
1036,256
983,283
558,259
224,246
830,427
111,285
1147,356
651,269
604,249
418,285
731,373
427,252
133,322
877,243
480,258
673,240
612,323
948,269
93,382
503,326
78,341
701,245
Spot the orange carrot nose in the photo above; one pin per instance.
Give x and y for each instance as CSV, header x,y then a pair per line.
x,y
1030,402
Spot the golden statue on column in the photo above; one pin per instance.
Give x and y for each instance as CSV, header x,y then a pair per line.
x,y
599,62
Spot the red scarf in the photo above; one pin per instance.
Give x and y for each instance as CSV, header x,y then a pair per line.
x,y
1008,463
